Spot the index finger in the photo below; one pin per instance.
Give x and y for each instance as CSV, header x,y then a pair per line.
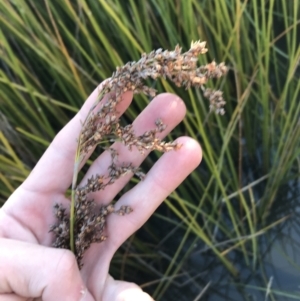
x,y
54,170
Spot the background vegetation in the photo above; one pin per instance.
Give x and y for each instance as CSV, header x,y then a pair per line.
x,y
209,231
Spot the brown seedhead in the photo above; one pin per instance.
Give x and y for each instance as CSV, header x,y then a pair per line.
x,y
86,222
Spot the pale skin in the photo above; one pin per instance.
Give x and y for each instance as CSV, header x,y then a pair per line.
x,y
29,268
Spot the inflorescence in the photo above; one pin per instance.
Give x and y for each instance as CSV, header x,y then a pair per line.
x,y
103,123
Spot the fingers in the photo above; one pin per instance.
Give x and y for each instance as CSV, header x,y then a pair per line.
x,y
170,109
33,271
55,169
163,178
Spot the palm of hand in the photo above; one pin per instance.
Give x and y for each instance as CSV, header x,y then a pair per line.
x,y
27,214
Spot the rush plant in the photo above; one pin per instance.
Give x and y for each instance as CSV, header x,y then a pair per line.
x,y
85,223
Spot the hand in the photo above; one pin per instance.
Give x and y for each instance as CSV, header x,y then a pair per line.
x,y
30,268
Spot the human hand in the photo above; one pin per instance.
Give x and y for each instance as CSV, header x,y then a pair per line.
x,y
30,268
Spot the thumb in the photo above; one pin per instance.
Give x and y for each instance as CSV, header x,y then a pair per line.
x,y
121,290
34,271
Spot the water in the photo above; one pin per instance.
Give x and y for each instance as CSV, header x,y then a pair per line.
x,y
273,274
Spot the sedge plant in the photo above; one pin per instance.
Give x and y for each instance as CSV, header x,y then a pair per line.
x,y
85,224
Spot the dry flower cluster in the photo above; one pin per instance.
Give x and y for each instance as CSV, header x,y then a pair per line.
x,y
86,223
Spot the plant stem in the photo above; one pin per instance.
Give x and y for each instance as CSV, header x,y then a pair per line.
x,y
73,200
75,176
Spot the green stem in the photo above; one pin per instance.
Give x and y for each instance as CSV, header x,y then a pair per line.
x,y
72,209
75,175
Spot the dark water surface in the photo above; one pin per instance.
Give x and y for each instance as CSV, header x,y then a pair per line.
x,y
273,273
276,276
